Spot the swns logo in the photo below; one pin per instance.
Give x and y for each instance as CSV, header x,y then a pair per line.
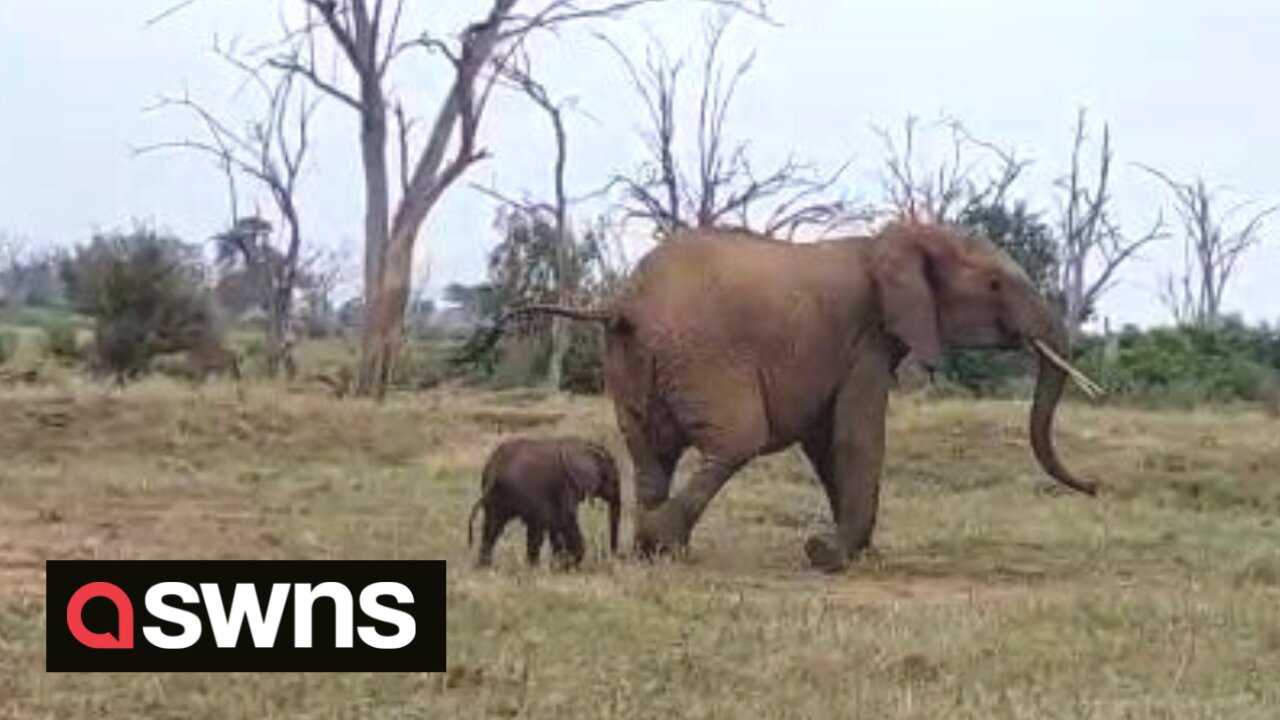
x,y
252,615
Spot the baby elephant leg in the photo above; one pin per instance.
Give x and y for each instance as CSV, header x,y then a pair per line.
x,y
494,522
535,534
570,548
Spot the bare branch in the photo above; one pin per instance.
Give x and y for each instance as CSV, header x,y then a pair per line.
x,y
292,65
1211,251
170,11
725,189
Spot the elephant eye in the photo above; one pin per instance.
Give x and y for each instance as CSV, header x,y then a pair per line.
x,y
994,284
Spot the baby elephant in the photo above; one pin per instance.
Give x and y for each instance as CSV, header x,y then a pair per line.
x,y
542,481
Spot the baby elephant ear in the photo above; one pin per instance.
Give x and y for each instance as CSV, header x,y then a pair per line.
x,y
583,471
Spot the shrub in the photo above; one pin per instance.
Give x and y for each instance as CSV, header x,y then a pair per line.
x,y
583,370
8,345
61,340
418,367
146,295
1184,366
986,373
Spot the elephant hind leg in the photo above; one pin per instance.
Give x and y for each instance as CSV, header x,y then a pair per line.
x,y
727,422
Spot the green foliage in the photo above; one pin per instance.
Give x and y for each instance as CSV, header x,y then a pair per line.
x,y
146,295
418,366
8,345
61,340
1165,367
1183,366
986,373
522,268
583,370
32,280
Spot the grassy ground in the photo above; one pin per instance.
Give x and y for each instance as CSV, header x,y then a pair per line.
x,y
994,596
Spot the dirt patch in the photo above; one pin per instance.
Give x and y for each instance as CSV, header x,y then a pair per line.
x,y
21,573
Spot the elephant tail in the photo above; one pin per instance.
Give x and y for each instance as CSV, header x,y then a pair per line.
x,y
601,315
471,519
486,486
485,338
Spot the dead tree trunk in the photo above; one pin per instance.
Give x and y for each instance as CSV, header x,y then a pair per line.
x,y
1090,236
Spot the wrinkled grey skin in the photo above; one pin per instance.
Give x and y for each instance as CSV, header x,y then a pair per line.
x,y
541,481
739,345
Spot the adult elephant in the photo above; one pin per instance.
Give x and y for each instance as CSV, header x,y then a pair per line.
x,y
741,345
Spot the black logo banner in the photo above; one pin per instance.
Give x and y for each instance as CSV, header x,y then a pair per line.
x,y
245,615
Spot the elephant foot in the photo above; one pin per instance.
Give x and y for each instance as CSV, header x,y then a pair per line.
x,y
826,553
661,531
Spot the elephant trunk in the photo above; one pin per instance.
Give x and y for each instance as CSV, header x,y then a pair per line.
x,y
1048,391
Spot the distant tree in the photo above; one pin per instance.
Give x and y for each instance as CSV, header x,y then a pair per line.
x,y
1093,245
724,186
919,188
418,316
321,274
523,268
351,313
270,152
368,41
146,293
1211,250
476,303
28,277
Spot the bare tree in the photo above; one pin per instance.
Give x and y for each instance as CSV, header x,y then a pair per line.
x,y
321,273
1211,251
367,35
518,74
724,188
565,262
1092,244
922,190
270,151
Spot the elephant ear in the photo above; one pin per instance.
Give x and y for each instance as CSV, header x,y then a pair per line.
x,y
583,472
904,276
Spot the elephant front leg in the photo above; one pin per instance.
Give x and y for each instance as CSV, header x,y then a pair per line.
x,y
857,458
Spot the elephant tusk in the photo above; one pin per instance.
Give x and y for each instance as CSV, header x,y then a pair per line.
x,y
1089,387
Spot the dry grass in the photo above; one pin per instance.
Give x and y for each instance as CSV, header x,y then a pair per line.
x,y
995,595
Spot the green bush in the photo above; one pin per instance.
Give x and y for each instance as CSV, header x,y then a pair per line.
x,y
61,341
986,373
146,295
417,367
1167,366
583,370
1184,366
8,345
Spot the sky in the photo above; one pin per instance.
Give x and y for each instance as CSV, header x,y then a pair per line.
x,y
1185,86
